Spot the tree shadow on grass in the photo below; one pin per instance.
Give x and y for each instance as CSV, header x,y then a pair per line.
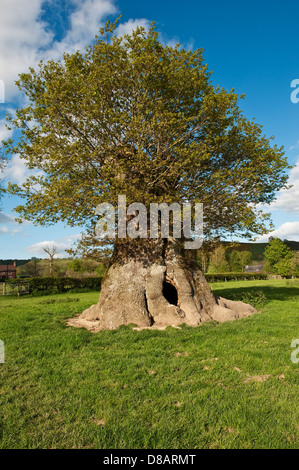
x,y
258,296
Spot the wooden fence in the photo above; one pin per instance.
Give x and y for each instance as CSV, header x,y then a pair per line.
x,y
7,288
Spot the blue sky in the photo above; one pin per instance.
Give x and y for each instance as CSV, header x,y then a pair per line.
x,y
252,47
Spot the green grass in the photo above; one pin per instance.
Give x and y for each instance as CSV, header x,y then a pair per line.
x,y
63,387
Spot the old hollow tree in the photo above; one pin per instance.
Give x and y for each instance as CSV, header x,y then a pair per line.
x,y
134,117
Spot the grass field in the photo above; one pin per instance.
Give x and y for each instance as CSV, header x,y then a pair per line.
x,y
229,385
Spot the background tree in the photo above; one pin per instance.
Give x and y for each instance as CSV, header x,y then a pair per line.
x,y
278,257
77,266
295,264
283,267
218,261
135,117
86,268
205,252
245,259
235,262
30,269
51,252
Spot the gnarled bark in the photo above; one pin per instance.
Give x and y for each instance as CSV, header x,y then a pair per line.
x,y
153,286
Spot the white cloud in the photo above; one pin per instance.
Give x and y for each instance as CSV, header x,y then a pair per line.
x,y
16,231
294,146
70,239
173,42
5,230
288,200
8,225
61,245
25,39
84,25
130,25
288,231
39,247
6,218
21,36
17,172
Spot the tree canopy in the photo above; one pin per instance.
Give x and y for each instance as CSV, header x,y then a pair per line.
x,y
133,116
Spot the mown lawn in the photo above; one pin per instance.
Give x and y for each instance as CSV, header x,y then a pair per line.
x,y
216,386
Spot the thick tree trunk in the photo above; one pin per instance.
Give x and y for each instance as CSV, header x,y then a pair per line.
x,y
154,287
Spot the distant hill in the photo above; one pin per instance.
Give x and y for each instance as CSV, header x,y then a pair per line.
x,y
19,262
257,249
291,244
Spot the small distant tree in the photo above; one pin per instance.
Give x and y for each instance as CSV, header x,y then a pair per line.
x,y
283,267
245,258
51,253
295,263
278,257
235,262
30,269
77,266
238,260
85,268
218,261
205,252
